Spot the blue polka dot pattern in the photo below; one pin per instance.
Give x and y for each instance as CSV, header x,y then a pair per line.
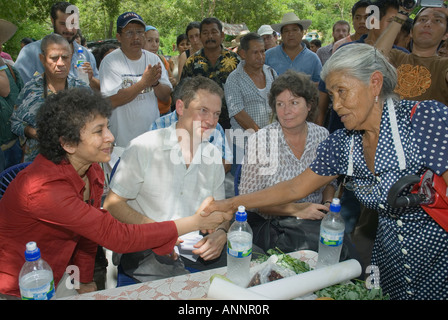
x,y
410,249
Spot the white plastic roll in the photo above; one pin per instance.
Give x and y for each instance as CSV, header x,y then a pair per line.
x,y
224,290
308,282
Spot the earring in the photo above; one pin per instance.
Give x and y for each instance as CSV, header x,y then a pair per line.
x,y
376,99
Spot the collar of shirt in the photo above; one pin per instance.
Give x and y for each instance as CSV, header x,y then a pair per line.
x,y
65,169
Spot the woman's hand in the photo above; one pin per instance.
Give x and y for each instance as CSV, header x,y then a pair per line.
x,y
87,287
311,211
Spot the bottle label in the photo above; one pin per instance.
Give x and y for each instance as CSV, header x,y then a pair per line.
x,y
79,63
45,292
331,239
239,254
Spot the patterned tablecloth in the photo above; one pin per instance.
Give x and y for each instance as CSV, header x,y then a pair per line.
x,y
185,287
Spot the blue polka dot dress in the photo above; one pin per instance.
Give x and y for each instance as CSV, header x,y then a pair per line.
x,y
410,249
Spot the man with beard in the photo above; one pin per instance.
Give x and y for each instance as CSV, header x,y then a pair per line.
x,y
341,29
134,80
28,63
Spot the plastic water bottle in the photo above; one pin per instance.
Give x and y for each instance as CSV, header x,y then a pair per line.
x,y
36,277
239,249
82,75
331,239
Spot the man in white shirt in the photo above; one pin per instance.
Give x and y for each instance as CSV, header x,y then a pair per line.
x,y
167,173
134,80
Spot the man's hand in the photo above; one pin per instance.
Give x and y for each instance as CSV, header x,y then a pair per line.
x,y
210,247
224,206
87,67
152,75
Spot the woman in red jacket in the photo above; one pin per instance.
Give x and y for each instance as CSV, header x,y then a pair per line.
x,y
56,200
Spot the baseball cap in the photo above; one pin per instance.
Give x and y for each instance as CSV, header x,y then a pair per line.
x,y
265,29
127,17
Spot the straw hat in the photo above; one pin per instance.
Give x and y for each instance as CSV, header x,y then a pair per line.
x,y
291,18
7,30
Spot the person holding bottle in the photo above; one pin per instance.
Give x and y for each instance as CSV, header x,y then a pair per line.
x,y
56,200
381,143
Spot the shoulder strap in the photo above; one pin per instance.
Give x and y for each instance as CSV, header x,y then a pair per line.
x,y
12,72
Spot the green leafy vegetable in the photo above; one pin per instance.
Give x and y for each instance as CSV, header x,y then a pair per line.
x,y
354,290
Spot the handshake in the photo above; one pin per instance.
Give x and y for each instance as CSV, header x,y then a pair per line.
x,y
211,214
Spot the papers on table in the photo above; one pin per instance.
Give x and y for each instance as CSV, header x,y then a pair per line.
x,y
185,248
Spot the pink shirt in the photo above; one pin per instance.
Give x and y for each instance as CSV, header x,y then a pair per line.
x,y
44,203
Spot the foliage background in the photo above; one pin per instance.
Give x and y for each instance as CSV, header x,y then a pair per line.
x,y
98,17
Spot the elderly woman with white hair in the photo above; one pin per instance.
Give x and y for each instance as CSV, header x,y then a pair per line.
x,y
384,139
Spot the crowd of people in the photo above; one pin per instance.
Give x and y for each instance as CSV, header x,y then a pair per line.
x,y
298,122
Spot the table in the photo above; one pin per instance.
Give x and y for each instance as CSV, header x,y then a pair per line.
x,y
186,287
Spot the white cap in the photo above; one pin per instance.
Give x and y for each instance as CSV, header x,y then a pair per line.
x,y
31,246
265,29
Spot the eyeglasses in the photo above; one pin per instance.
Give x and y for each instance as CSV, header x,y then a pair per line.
x,y
131,34
364,186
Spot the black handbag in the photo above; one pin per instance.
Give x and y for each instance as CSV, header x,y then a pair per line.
x,y
289,234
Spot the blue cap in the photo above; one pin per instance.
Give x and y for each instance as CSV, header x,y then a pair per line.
x,y
32,252
335,205
128,17
241,215
150,28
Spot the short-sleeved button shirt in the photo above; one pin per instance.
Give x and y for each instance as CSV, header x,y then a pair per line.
x,y
410,249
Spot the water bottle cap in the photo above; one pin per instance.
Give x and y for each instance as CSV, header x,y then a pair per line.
x,y
80,50
32,252
241,215
335,206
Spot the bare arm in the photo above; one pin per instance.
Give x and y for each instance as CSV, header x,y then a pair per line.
x,y
303,210
386,41
245,121
181,63
4,84
324,101
282,193
4,81
162,92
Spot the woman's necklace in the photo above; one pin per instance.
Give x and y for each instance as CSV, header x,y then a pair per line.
x,y
300,148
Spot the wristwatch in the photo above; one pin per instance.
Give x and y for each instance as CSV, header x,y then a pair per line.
x,y
221,228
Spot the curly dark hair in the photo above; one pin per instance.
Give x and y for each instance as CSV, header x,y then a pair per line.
x,y
64,115
300,85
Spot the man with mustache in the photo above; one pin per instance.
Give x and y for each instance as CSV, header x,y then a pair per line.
x,y
134,80
213,61
28,63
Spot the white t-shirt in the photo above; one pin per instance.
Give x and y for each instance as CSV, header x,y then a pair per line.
x,y
118,72
153,175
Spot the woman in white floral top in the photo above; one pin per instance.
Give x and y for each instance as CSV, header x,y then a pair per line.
x,y
283,150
